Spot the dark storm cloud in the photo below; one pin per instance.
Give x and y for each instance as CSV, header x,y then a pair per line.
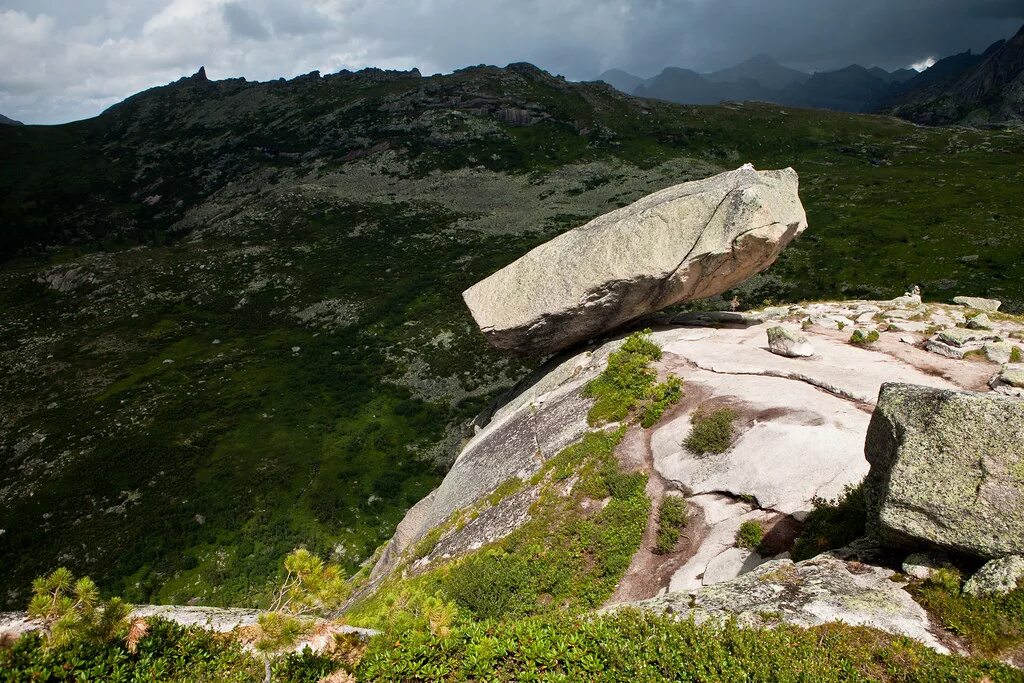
x,y
64,60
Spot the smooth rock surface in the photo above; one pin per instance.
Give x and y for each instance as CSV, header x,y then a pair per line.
x,y
687,242
997,576
784,342
947,470
978,303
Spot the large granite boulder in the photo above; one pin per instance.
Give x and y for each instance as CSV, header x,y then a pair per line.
x,y
686,242
997,577
783,342
947,470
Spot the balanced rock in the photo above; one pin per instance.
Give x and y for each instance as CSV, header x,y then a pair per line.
x,y
787,343
998,576
690,241
978,304
947,470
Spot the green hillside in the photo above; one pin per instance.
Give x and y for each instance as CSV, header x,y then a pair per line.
x,y
231,315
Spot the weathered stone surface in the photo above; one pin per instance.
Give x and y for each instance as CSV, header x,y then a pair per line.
x,y
947,469
998,352
687,242
958,336
1001,575
978,304
787,343
1009,380
817,591
979,322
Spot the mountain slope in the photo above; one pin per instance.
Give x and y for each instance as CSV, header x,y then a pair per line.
x,y
989,90
9,122
763,69
232,317
621,80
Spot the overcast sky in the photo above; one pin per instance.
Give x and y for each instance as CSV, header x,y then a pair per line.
x,y
62,60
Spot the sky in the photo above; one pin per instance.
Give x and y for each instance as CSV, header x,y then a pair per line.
x,y
63,60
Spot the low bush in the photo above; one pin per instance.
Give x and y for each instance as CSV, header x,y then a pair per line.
x,y
634,646
991,624
671,520
629,384
832,523
858,338
169,653
711,432
750,535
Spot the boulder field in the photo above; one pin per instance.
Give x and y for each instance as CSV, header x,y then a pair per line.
x,y
690,241
799,436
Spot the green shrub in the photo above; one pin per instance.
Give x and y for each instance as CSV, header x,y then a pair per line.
x,y
628,383
1015,356
711,432
168,653
750,535
991,624
671,520
832,523
659,398
630,645
861,339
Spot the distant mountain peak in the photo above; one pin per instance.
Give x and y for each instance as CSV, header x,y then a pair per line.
x,y
200,75
10,122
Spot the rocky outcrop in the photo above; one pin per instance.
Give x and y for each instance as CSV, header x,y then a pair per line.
x,y
946,470
787,343
817,591
686,242
998,576
978,303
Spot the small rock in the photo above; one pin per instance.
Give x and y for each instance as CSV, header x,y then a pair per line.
x,y
167,361
979,304
923,565
958,336
787,343
1009,380
979,322
998,576
296,349
998,352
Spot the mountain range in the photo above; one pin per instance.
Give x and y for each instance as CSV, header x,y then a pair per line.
x,y
987,88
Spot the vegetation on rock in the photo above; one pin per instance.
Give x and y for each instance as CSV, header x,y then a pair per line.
x,y
711,432
859,338
832,524
671,520
71,610
750,535
629,385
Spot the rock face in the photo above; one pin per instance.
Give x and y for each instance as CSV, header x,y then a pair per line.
x,y
817,591
787,343
687,242
997,576
947,469
978,304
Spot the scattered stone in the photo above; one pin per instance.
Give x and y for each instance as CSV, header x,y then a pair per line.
x,y
978,304
923,565
946,470
998,352
787,343
1009,380
821,590
958,336
979,322
998,576
687,242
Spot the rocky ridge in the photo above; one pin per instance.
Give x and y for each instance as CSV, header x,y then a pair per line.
x,y
799,437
